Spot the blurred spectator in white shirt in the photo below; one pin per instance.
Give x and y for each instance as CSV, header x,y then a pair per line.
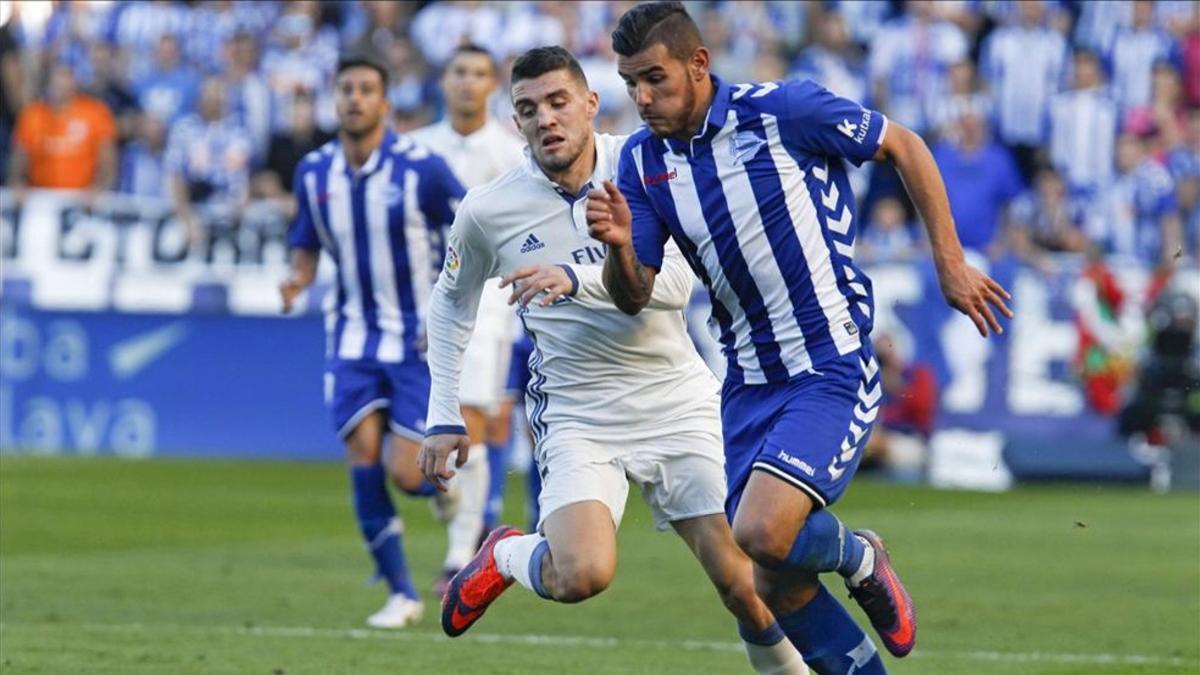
x,y
909,61
1083,128
1135,51
1025,63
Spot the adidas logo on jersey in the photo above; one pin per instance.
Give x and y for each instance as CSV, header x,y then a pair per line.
x,y
532,243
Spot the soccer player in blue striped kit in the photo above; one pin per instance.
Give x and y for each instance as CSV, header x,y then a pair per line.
x,y
377,204
749,180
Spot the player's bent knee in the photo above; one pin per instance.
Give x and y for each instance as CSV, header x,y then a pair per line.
x,y
765,544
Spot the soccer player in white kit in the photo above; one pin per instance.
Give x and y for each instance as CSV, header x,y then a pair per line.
x,y
478,149
612,396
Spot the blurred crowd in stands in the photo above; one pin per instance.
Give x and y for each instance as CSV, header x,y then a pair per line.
x,y
1065,129
1060,126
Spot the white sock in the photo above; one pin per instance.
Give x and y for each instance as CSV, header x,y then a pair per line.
x,y
780,658
467,525
512,558
867,566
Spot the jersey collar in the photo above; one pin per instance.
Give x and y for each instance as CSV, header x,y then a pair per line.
x,y
375,161
600,173
718,113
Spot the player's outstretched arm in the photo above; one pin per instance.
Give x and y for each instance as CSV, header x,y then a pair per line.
x,y
453,304
304,270
629,282
965,288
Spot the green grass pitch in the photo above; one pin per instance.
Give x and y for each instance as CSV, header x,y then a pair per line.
x,y
160,566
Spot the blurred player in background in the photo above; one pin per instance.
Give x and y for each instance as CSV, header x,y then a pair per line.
x,y
478,149
613,397
748,180
376,203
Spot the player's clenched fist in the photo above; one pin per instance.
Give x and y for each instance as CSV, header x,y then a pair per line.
x,y
435,456
608,216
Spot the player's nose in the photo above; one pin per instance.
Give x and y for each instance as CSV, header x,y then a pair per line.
x,y
641,95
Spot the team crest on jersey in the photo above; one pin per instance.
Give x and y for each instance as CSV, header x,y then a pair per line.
x,y
744,145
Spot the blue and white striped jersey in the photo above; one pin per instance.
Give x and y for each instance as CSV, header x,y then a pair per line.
x,y
384,228
1025,66
1133,57
760,204
1083,131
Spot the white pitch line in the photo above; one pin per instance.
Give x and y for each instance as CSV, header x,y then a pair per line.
x,y
1100,659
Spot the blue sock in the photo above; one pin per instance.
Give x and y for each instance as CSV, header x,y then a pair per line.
x,y
765,637
826,545
380,527
829,639
426,489
497,477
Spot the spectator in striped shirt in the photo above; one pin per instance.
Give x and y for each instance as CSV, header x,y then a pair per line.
x,y
248,96
966,95
1135,51
1025,64
1083,127
1046,220
1137,218
909,61
208,160
143,165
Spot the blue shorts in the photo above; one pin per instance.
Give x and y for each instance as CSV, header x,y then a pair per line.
x,y
809,432
354,389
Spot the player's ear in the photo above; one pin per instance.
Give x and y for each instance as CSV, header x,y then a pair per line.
x,y
593,104
698,64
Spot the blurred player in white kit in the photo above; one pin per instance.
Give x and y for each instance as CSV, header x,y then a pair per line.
x,y
478,149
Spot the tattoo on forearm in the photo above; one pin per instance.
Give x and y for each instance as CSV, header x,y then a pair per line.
x,y
627,280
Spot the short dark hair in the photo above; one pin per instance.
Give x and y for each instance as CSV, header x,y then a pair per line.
x,y
363,59
666,23
472,48
541,60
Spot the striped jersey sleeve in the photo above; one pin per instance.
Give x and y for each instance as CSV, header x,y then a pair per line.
x,y
650,232
816,121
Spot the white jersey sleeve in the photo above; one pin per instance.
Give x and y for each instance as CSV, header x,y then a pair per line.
x,y
470,261
672,286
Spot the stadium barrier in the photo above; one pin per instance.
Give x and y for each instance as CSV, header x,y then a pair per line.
x,y
116,338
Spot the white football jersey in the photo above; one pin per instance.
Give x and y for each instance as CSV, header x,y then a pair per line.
x,y
594,370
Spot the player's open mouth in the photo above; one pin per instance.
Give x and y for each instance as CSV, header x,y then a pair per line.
x,y
552,142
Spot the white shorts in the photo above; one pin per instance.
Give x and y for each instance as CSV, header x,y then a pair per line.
x,y
681,475
489,352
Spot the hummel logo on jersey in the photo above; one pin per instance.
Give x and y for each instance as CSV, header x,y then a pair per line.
x,y
744,146
532,243
846,127
655,179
